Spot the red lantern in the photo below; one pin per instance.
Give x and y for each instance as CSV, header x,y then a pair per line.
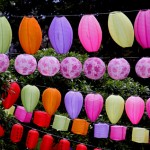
x,y
64,145
81,147
97,149
2,131
16,133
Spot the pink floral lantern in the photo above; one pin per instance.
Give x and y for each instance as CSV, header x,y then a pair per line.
x,y
118,68
148,107
142,67
94,68
25,64
4,62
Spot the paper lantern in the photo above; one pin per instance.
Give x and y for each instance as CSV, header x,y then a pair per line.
x,y
81,147
13,93
80,126
64,144
73,102
41,119
90,33
10,111
5,35
148,107
48,66
142,67
70,67
30,35
101,130
4,62
134,107
94,68
60,34
25,64
141,28
2,131
118,68
16,133
93,106
51,99
97,149
114,107
30,95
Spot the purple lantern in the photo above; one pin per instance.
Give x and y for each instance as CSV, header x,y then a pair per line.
x,y
4,62
73,103
60,34
148,107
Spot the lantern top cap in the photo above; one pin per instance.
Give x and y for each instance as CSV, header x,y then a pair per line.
x,y
114,12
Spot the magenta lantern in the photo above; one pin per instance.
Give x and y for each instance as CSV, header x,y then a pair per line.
x,y
90,33
60,34
134,107
93,106
148,107
64,144
4,62
81,147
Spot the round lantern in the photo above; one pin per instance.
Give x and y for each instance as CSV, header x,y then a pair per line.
x,y
90,33
30,35
60,34
81,147
148,107
48,66
4,62
94,68
2,131
64,144
118,68
70,67
25,64
5,35
142,67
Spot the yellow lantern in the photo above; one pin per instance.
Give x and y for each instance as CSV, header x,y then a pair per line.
x,y
10,111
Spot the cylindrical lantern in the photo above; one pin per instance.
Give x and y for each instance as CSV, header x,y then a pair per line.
x,y
30,35
90,33
118,68
2,131
4,62
94,68
73,102
148,107
81,147
16,133
5,35
60,34
64,144
10,111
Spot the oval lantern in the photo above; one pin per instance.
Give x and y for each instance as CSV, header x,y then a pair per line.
x,y
73,102
121,29
2,131
114,105
4,62
148,107
30,35
64,144
118,68
94,68
81,147
5,35
30,95
134,107
60,34
93,106
90,33
51,99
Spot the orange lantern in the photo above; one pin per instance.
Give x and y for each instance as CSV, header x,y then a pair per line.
x,y
81,147
64,145
30,35
2,131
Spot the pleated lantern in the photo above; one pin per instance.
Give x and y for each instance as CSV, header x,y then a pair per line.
x,y
5,35
121,29
148,107
64,144
30,35
90,33
80,126
81,147
60,34
2,131
4,62
10,111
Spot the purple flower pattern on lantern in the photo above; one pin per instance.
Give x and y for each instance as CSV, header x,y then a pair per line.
x,y
4,62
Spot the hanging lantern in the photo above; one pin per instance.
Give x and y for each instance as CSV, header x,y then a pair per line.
x,y
81,147
90,33
30,95
10,111
134,108
5,35
48,66
60,34
22,115
30,35
142,67
97,149
4,62
64,144
118,68
70,67
93,106
41,119
12,95
148,107
51,99
2,131
73,102
16,133
94,68
25,64
114,108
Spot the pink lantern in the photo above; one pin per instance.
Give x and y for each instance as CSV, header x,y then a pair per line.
x,y
142,67
90,33
118,68
134,107
70,67
4,62
48,66
93,106
148,107
25,64
94,68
